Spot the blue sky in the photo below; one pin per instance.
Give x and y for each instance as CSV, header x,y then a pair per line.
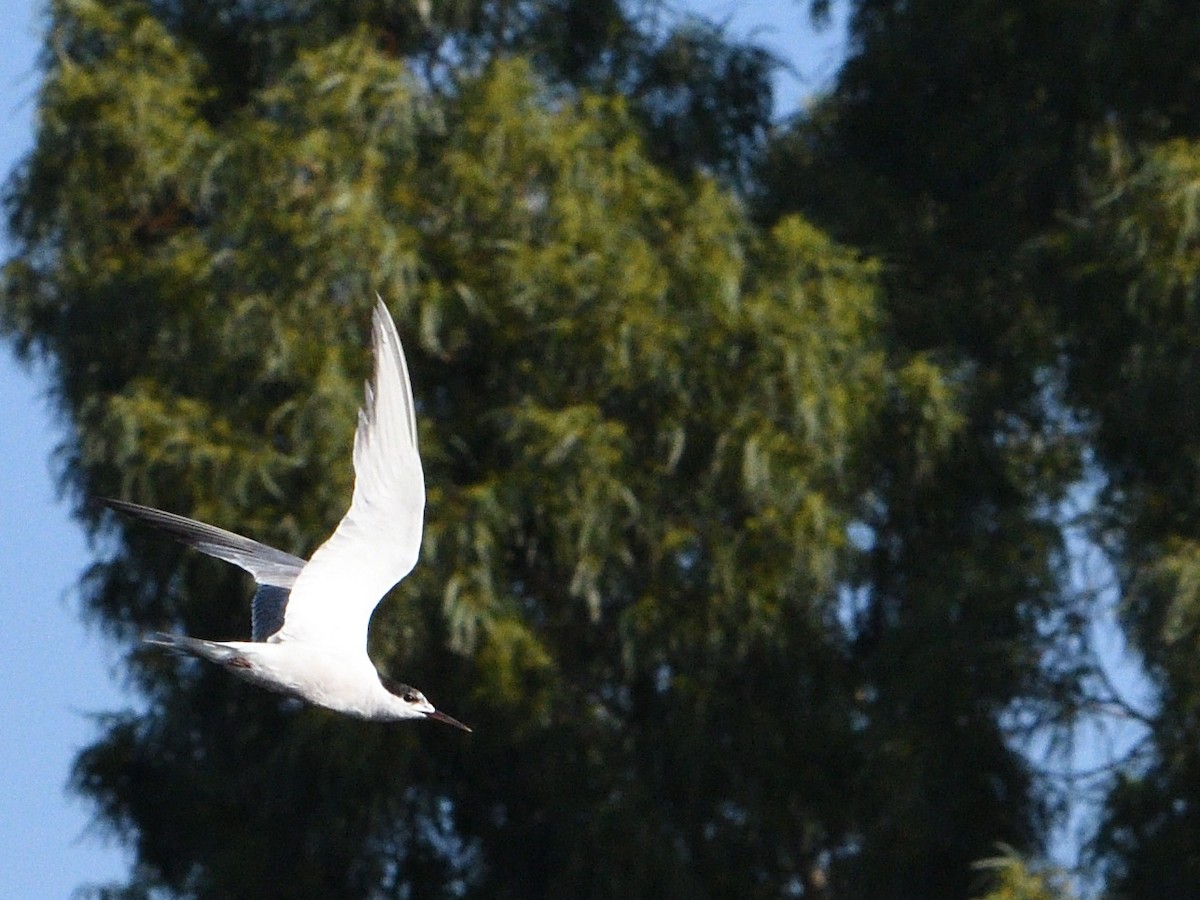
x,y
55,670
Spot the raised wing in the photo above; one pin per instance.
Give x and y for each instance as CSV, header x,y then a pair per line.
x,y
268,565
377,542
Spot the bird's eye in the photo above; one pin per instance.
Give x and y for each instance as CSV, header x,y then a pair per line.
x,y
411,697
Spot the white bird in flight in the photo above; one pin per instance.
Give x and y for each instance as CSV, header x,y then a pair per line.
x,y
309,619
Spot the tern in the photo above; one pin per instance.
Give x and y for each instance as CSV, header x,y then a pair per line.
x,y
309,619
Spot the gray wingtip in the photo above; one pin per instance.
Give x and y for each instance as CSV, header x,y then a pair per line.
x,y
382,316
117,505
384,324
388,351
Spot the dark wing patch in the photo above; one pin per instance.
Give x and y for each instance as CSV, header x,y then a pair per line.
x,y
267,565
267,609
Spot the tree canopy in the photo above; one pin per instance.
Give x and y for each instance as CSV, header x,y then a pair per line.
x,y
746,446
1025,173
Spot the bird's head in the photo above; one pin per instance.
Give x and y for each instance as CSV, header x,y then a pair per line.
x,y
409,703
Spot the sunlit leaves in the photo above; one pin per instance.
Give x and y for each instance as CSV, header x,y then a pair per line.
x,y
1008,876
646,425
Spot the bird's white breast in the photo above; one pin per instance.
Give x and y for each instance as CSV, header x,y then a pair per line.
x,y
347,683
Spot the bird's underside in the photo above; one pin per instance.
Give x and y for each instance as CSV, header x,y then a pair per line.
x,y
309,618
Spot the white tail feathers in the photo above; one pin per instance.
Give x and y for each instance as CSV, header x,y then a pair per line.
x,y
218,653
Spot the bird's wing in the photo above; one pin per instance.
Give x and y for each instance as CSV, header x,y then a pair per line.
x,y
268,565
377,542
266,611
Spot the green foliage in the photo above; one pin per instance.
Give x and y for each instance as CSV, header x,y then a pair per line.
x,y
743,550
1133,280
1131,285
950,147
1010,877
1132,298
1027,175
643,423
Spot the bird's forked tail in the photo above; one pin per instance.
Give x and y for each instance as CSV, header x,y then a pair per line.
x,y
218,653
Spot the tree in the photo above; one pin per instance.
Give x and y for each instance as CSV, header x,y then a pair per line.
x,y
1131,281
957,141
938,150
646,424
